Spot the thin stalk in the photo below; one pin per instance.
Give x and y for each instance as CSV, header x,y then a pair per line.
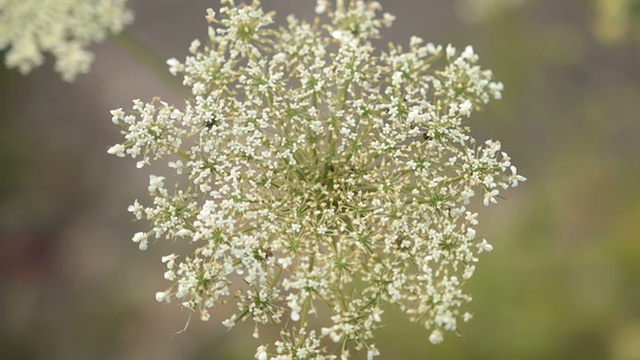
x,y
148,57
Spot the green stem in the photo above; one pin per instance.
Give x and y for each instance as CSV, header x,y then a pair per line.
x,y
147,57
276,278
305,311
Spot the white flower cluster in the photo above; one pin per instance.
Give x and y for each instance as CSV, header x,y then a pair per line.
x,y
64,28
316,174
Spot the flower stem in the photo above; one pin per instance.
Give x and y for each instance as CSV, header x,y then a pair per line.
x,y
147,57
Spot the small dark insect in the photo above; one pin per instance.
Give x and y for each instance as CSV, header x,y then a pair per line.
x,y
399,242
210,122
426,137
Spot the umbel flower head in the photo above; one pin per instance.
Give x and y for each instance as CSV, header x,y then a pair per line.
x,y
316,175
63,28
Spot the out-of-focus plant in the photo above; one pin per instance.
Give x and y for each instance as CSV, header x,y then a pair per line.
x,y
476,10
315,175
614,20
64,28
617,20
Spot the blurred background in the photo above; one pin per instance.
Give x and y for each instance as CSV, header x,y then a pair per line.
x,y
563,281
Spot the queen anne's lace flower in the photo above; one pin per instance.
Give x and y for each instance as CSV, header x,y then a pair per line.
x,y
317,175
64,28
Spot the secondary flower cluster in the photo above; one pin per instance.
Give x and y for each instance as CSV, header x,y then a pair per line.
x,y
314,174
64,28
